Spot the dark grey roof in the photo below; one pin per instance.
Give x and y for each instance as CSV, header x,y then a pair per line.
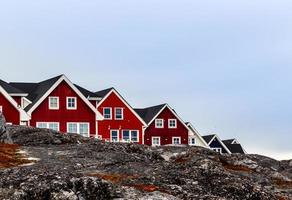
x,y
36,90
103,93
234,148
147,114
86,92
229,141
208,138
10,89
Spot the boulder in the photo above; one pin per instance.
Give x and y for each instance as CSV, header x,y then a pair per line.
x,y
2,123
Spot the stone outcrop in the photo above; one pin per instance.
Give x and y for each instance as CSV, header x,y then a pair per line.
x,y
73,167
2,123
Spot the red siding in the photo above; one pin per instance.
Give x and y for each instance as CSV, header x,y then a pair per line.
x,y
18,100
11,114
130,121
165,133
83,113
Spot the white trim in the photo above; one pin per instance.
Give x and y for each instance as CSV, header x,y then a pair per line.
x,y
194,130
175,123
173,138
94,98
67,103
124,101
48,125
1,108
118,132
58,103
155,137
23,100
23,115
171,110
18,94
78,127
122,113
103,114
224,146
64,78
159,119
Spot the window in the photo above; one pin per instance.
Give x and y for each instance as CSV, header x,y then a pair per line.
x,y
53,103
81,128
1,108
159,123
84,129
130,136
72,128
107,113
126,136
192,141
49,125
218,150
134,136
176,140
71,103
172,123
114,135
119,113
155,141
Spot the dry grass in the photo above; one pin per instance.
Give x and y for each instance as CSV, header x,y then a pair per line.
x,y
145,188
282,184
239,168
114,178
9,156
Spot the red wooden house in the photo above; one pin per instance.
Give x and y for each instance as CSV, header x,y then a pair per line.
x,y
121,123
55,103
164,126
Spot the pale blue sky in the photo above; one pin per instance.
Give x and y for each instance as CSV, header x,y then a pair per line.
x,y
223,65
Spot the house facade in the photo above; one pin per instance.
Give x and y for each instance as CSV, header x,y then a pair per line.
x,y
234,146
121,123
216,144
195,139
55,103
164,126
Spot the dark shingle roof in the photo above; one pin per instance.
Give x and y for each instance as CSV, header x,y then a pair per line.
x,y
10,89
36,90
103,93
228,141
208,138
86,92
147,114
234,148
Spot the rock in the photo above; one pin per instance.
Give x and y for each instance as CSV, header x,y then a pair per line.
x,y
2,123
72,167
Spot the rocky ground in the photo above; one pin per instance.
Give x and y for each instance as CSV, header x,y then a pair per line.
x,y
50,165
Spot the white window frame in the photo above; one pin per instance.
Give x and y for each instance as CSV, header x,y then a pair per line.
x,y
169,122
78,127
67,103
47,125
130,135
190,141
118,136
173,138
122,113
162,124
111,113
159,140
58,103
217,149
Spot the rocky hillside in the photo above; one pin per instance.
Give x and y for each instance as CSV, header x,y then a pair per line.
x,y
42,164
